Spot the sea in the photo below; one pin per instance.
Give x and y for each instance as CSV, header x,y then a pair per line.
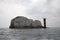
x,y
50,33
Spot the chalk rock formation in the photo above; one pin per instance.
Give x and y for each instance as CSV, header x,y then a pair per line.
x,y
23,22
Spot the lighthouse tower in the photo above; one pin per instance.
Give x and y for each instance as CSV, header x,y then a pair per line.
x,y
44,22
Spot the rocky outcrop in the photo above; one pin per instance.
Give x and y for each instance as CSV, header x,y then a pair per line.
x,y
23,22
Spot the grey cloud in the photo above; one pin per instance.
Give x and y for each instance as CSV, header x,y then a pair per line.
x,y
43,9
15,1
49,1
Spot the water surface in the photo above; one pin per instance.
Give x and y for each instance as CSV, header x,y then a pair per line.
x,y
30,34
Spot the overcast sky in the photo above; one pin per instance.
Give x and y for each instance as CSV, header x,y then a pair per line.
x,y
34,9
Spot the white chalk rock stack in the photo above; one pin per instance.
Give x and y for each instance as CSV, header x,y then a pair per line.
x,y
22,22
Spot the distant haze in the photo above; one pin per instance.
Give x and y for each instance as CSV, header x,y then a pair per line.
x,y
33,9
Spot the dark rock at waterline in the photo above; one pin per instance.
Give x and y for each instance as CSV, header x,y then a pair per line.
x,y
23,22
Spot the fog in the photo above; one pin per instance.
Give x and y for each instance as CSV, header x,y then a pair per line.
x,y
33,9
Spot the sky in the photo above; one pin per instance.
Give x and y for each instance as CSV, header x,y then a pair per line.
x,y
33,9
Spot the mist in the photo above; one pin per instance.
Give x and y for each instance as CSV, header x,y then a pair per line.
x,y
33,9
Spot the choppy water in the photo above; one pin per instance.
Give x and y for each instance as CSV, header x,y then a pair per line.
x,y
30,34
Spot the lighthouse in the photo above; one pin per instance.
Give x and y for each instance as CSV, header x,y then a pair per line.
x,y
44,20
